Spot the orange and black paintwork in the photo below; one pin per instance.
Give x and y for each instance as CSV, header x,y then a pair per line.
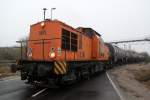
x,y
59,52
50,35
46,35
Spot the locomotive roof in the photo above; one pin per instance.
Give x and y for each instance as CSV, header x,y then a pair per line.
x,y
57,21
88,31
92,31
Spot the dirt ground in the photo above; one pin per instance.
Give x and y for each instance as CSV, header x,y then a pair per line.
x,y
5,71
133,80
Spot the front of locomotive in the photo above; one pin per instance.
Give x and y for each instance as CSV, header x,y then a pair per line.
x,y
45,60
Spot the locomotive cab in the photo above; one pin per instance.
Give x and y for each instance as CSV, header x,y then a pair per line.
x,y
50,40
44,41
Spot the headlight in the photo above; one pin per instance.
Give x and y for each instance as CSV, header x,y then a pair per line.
x,y
42,24
52,55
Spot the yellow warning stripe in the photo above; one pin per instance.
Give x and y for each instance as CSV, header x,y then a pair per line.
x,y
59,69
62,67
64,63
56,71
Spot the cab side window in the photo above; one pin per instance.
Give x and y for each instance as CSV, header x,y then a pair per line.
x,y
65,39
69,40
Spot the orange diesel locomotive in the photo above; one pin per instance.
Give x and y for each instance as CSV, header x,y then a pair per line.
x,y
58,53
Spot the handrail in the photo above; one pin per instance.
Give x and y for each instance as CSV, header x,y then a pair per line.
x,y
43,42
36,40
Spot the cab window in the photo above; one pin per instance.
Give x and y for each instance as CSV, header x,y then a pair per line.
x,y
69,40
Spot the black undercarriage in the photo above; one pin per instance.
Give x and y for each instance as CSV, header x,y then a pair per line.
x,y
41,73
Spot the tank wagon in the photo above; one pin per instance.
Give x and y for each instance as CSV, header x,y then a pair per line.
x,y
57,53
121,56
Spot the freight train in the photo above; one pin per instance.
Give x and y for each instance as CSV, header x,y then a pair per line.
x,y
60,54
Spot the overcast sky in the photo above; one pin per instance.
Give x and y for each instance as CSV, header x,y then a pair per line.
x,y
114,19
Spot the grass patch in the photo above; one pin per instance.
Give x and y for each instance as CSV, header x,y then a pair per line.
x,y
143,76
4,69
